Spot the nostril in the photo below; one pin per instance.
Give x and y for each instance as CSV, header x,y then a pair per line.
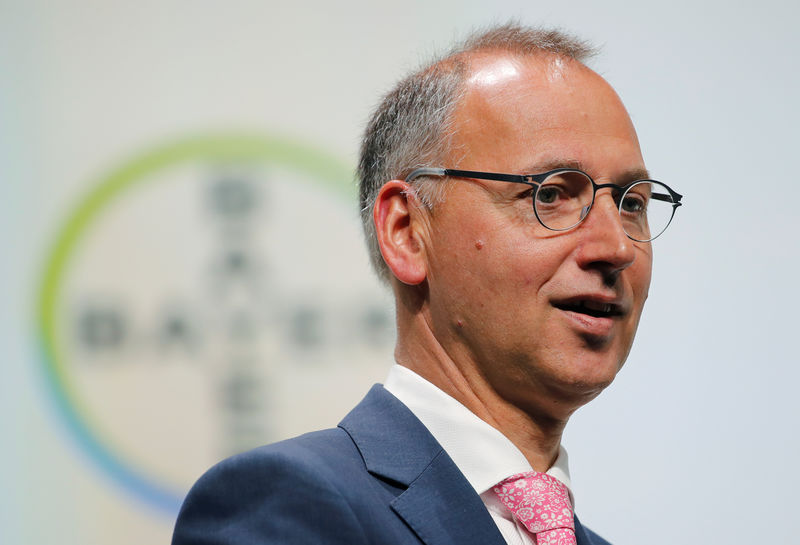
x,y
610,277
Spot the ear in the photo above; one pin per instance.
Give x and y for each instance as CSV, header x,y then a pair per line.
x,y
396,216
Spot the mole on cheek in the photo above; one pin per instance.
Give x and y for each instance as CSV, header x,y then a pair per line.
x,y
478,244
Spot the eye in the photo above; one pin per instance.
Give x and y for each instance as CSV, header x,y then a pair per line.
x,y
548,194
633,203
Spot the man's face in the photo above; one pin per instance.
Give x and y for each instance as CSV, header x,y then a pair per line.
x,y
522,309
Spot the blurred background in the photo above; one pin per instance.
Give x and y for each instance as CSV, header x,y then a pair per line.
x,y
183,275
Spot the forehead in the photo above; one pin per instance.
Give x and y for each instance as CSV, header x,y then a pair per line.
x,y
522,111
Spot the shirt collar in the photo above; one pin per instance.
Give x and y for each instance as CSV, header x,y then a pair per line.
x,y
483,454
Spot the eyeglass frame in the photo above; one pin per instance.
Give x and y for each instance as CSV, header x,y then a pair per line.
x,y
535,181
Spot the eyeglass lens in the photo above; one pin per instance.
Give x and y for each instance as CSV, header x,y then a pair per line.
x,y
563,200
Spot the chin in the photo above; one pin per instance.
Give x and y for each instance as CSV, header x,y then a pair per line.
x,y
561,383
585,376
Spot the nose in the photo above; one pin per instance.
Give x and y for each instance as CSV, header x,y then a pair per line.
x,y
604,246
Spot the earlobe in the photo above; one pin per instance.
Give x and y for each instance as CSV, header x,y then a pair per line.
x,y
395,216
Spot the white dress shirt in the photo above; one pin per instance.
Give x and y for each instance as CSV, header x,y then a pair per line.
x,y
483,454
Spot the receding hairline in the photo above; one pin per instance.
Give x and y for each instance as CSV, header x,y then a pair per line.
x,y
464,60
469,62
516,38
512,40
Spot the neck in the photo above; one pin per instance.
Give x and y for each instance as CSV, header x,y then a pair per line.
x,y
535,428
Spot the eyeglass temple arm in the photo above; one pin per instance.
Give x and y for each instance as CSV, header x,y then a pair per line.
x,y
420,172
489,176
673,197
467,174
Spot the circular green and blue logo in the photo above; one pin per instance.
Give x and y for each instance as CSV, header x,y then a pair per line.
x,y
204,298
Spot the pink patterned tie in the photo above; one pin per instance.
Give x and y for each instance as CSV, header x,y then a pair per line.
x,y
541,503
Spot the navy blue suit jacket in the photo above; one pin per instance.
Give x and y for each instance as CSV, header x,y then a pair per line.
x,y
378,478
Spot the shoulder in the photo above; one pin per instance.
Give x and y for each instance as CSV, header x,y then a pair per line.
x,y
587,536
288,492
595,539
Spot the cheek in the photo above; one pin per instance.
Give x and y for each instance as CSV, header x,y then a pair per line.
x,y
641,274
536,262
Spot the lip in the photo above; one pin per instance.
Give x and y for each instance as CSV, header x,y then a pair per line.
x,y
590,325
593,314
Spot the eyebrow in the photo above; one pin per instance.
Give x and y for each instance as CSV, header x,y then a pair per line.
x,y
628,176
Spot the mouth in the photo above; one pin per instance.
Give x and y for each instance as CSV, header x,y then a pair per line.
x,y
591,307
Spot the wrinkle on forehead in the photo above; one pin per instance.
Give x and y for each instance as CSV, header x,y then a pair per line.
x,y
547,105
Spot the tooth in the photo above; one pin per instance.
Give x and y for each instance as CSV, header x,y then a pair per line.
x,y
597,306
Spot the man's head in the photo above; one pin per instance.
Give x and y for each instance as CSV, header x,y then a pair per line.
x,y
543,319
413,124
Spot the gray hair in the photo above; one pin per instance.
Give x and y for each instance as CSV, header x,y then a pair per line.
x,y
412,125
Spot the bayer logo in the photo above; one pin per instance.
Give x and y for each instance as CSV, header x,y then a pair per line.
x,y
206,298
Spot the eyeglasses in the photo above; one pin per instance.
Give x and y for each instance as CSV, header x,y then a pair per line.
x,y
563,197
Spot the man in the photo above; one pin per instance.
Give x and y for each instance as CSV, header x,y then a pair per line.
x,y
502,203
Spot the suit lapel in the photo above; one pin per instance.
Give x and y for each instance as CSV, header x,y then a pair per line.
x,y
439,505
443,509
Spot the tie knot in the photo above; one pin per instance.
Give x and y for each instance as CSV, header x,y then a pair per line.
x,y
540,502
